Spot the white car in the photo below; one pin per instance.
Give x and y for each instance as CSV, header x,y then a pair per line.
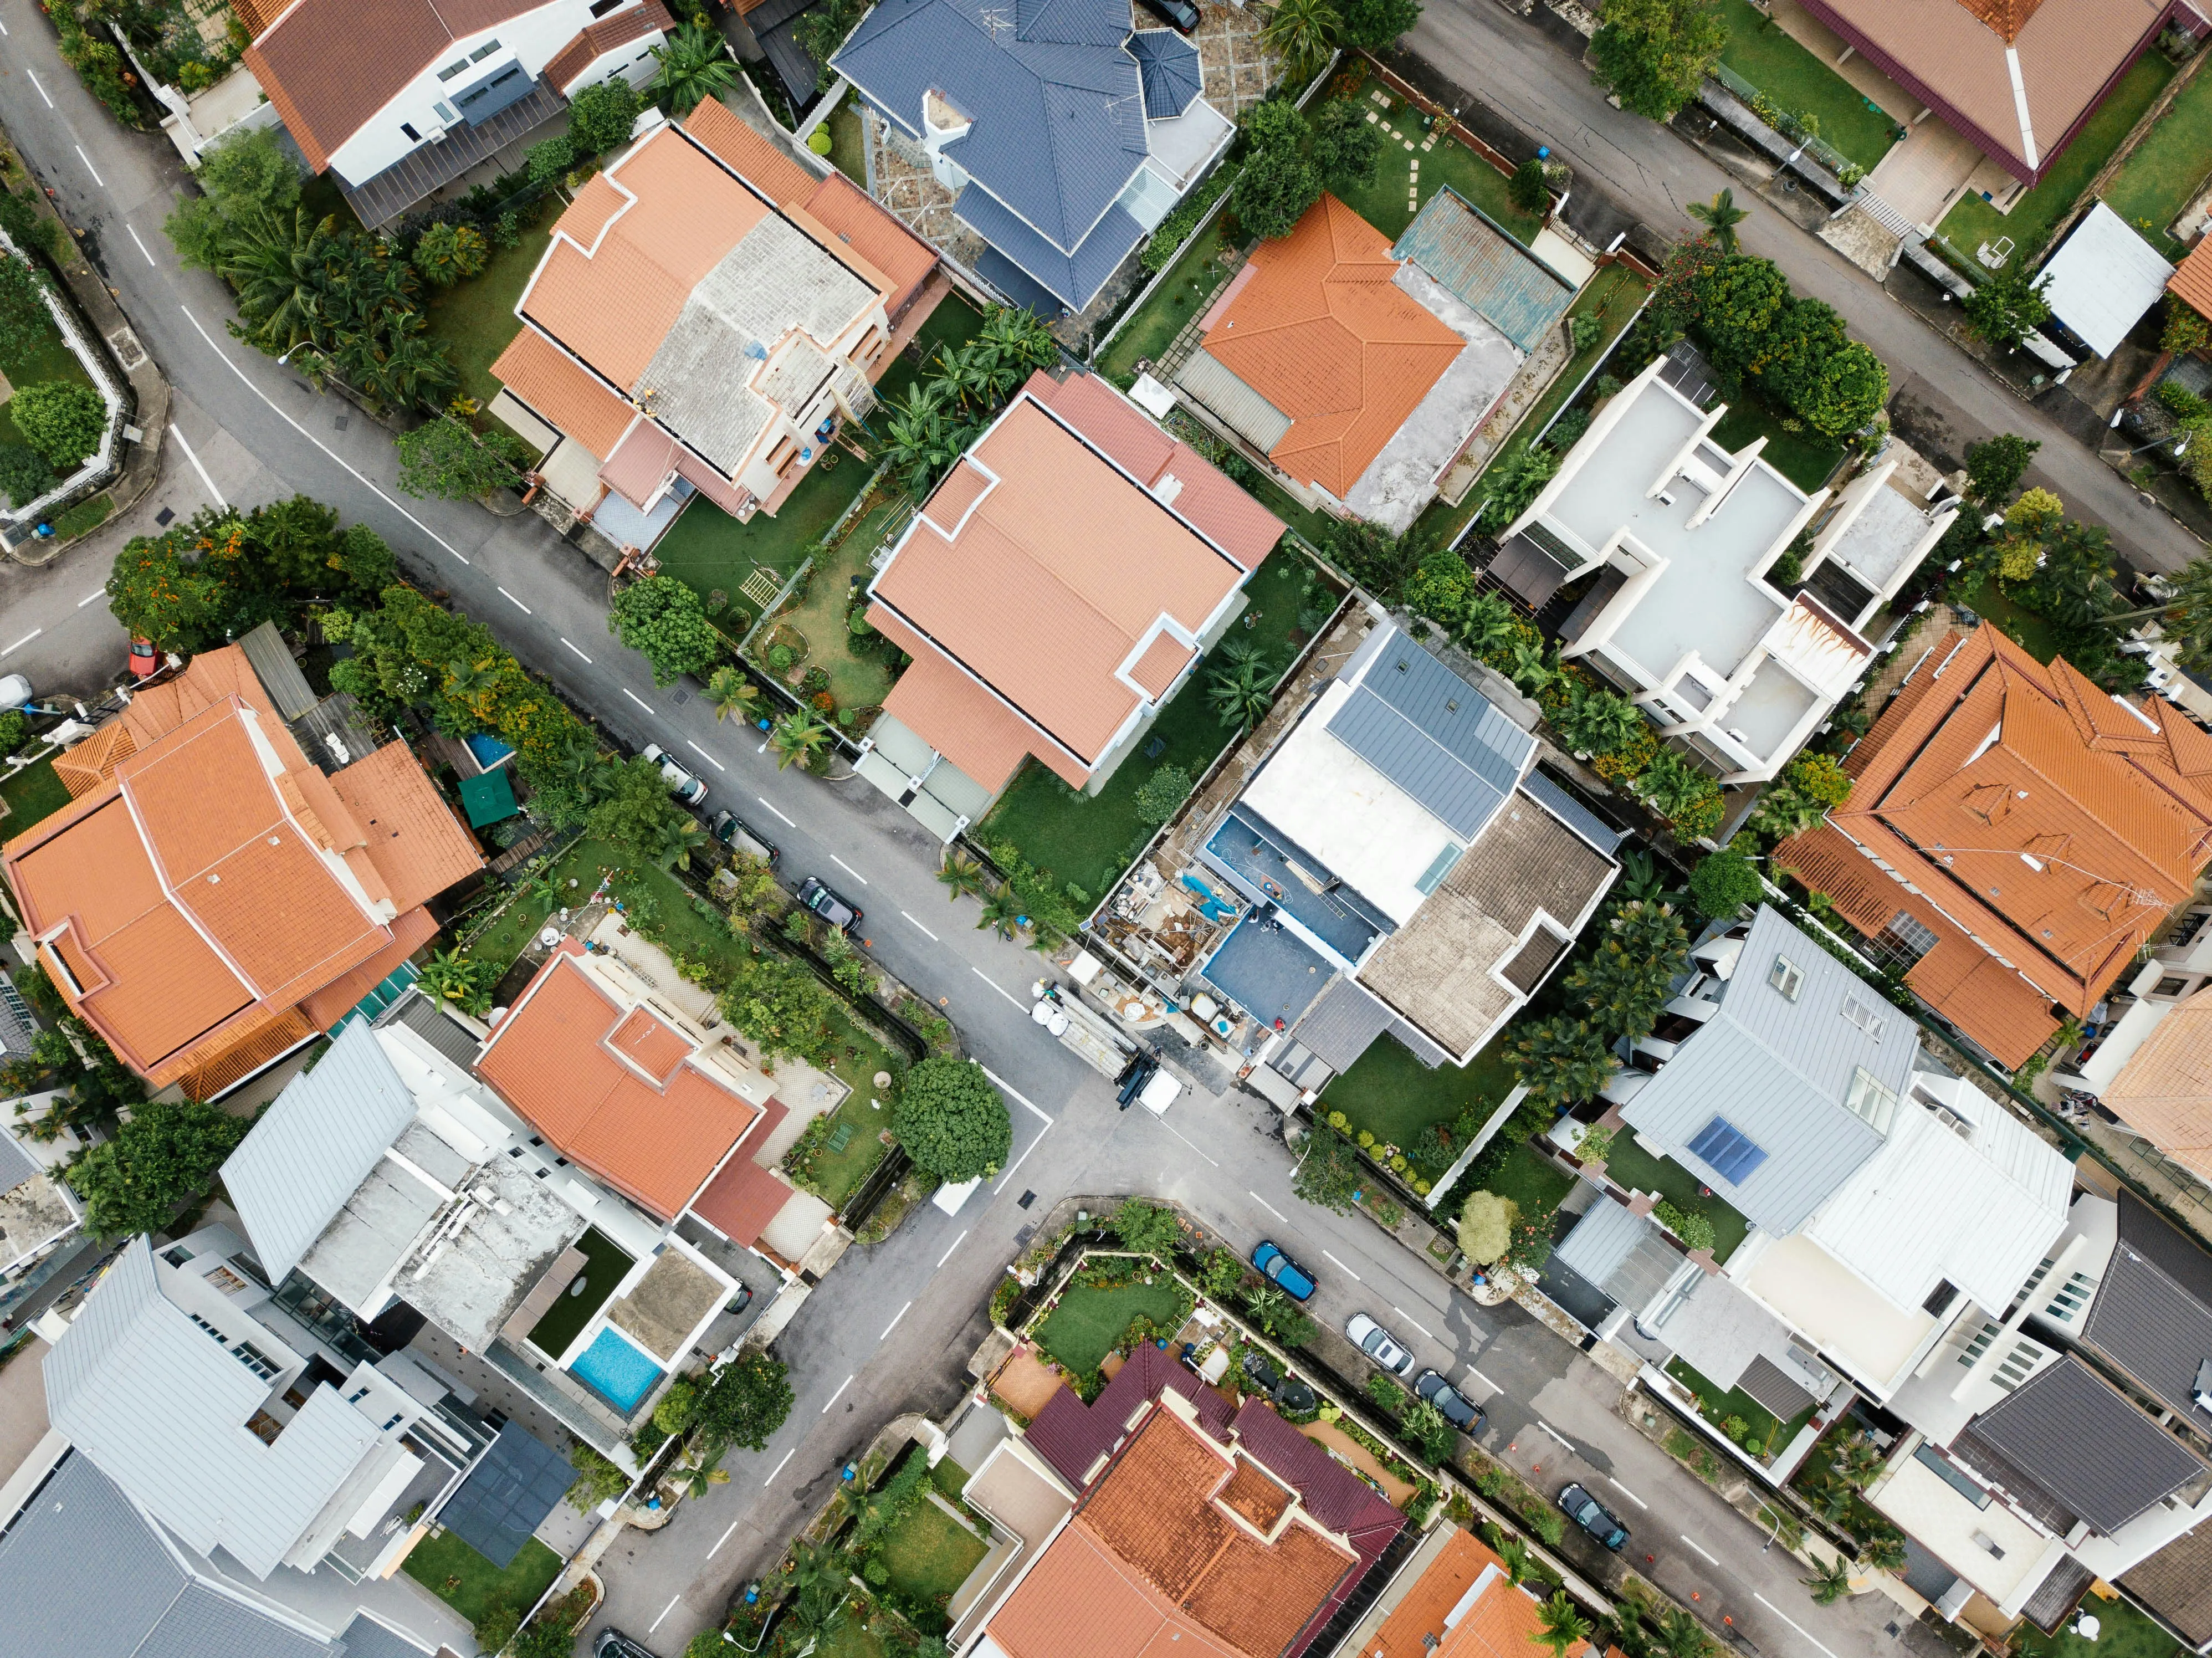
x,y
1378,1343
681,783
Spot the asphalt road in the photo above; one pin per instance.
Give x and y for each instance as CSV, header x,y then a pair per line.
x,y
1532,80
890,1328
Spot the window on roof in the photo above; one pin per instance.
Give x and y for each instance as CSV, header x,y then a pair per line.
x,y
1860,1013
453,69
483,51
1731,1153
1786,976
1871,1099
1939,1298
1952,1475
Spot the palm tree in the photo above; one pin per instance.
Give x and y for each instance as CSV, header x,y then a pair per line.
x,y
1241,693
1266,1304
693,1482
1859,1463
798,736
1532,670
1002,911
731,692
1720,217
1515,1553
277,265
1885,1551
677,836
1302,33
917,442
695,65
1562,1625
1830,1583
964,375
822,1598
960,874
1683,1635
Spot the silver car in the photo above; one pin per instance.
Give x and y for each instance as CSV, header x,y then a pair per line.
x,y
681,782
1378,1343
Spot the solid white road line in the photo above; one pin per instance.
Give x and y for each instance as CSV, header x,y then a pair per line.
x,y
1266,1205
141,247
1017,1162
848,869
1686,1538
1001,988
89,166
1555,1433
3,31
703,755
1625,1492
1408,1317
359,476
42,91
841,1385
1347,1271
893,1325
957,1243
1783,1615
572,647
924,930
664,1611
778,1468
517,602
771,805
1006,1087
636,698
97,592
1186,1140
177,432
724,1537
1484,1379
24,641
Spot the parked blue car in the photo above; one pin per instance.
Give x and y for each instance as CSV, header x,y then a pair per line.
x,y
1293,1279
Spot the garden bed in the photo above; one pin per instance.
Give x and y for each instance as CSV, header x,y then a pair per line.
x,y
860,669
471,1585
1629,1165
1723,1405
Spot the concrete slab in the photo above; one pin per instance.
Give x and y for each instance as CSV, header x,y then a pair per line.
x,y
675,1298
22,1404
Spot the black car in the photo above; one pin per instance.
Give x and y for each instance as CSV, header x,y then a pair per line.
x,y
1593,1517
733,832
1178,15
1456,1408
613,1644
829,906
1140,1070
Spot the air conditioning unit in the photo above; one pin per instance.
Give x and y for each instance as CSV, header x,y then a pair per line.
x,y
1951,1120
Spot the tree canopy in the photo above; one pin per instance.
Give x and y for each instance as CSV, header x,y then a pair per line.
x,y
446,459
746,1403
665,622
951,1122
1655,54
62,420
165,1157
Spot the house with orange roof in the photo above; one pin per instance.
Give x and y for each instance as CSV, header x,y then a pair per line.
x,y
1361,370
1057,588
1454,1598
706,316
2014,835
213,898
398,102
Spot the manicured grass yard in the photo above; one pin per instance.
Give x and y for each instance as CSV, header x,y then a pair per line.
x,y
1974,221
475,319
1382,201
2168,168
1089,839
2126,1633
1394,1096
1722,1403
1192,282
31,794
1792,78
857,679
471,1585
1804,458
568,1315
1534,1182
929,1553
2024,628
1081,1330
1633,1166
847,144
835,1175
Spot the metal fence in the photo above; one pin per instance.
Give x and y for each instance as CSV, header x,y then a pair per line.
x,y
1790,124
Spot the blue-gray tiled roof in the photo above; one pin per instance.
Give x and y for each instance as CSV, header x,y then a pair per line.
x,y
1434,735
1055,96
1073,277
1169,66
1496,276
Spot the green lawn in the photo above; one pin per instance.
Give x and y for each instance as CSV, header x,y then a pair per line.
x,y
32,793
1081,1330
2168,168
1631,1165
1804,458
1191,281
847,144
1722,1403
1537,1184
929,1553
858,679
2125,1632
835,1175
568,1315
1974,220
2024,628
1383,200
1394,1096
1793,77
475,319
85,516
471,1585
1089,839
950,1478
45,358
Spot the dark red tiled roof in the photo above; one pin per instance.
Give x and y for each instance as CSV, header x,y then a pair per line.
x,y
1073,1436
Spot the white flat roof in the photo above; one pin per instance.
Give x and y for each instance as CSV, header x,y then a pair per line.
x,y
2104,279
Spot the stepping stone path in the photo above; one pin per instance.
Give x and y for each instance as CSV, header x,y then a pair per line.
x,y
1413,167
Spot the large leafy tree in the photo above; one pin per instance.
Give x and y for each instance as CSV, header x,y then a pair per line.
x,y
1561,1060
1274,190
600,117
1723,884
155,594
665,622
2007,307
165,1157
1654,54
1994,466
746,1404
951,1122
444,458
1346,147
23,318
1377,24
62,420
635,810
1328,1171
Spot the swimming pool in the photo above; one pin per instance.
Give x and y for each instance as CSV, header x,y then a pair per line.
x,y
617,1369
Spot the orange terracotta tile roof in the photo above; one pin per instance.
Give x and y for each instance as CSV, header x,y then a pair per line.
x,y
651,1046
1417,1619
1505,1621
561,393
595,40
83,767
410,929
552,1058
2165,1089
2191,281
855,223
1057,578
1156,669
1323,334
960,720
779,178
743,1197
417,846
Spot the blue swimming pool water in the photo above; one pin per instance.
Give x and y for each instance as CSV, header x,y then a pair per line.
x,y
617,1369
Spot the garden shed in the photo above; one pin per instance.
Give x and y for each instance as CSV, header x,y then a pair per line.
x,y
2103,279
